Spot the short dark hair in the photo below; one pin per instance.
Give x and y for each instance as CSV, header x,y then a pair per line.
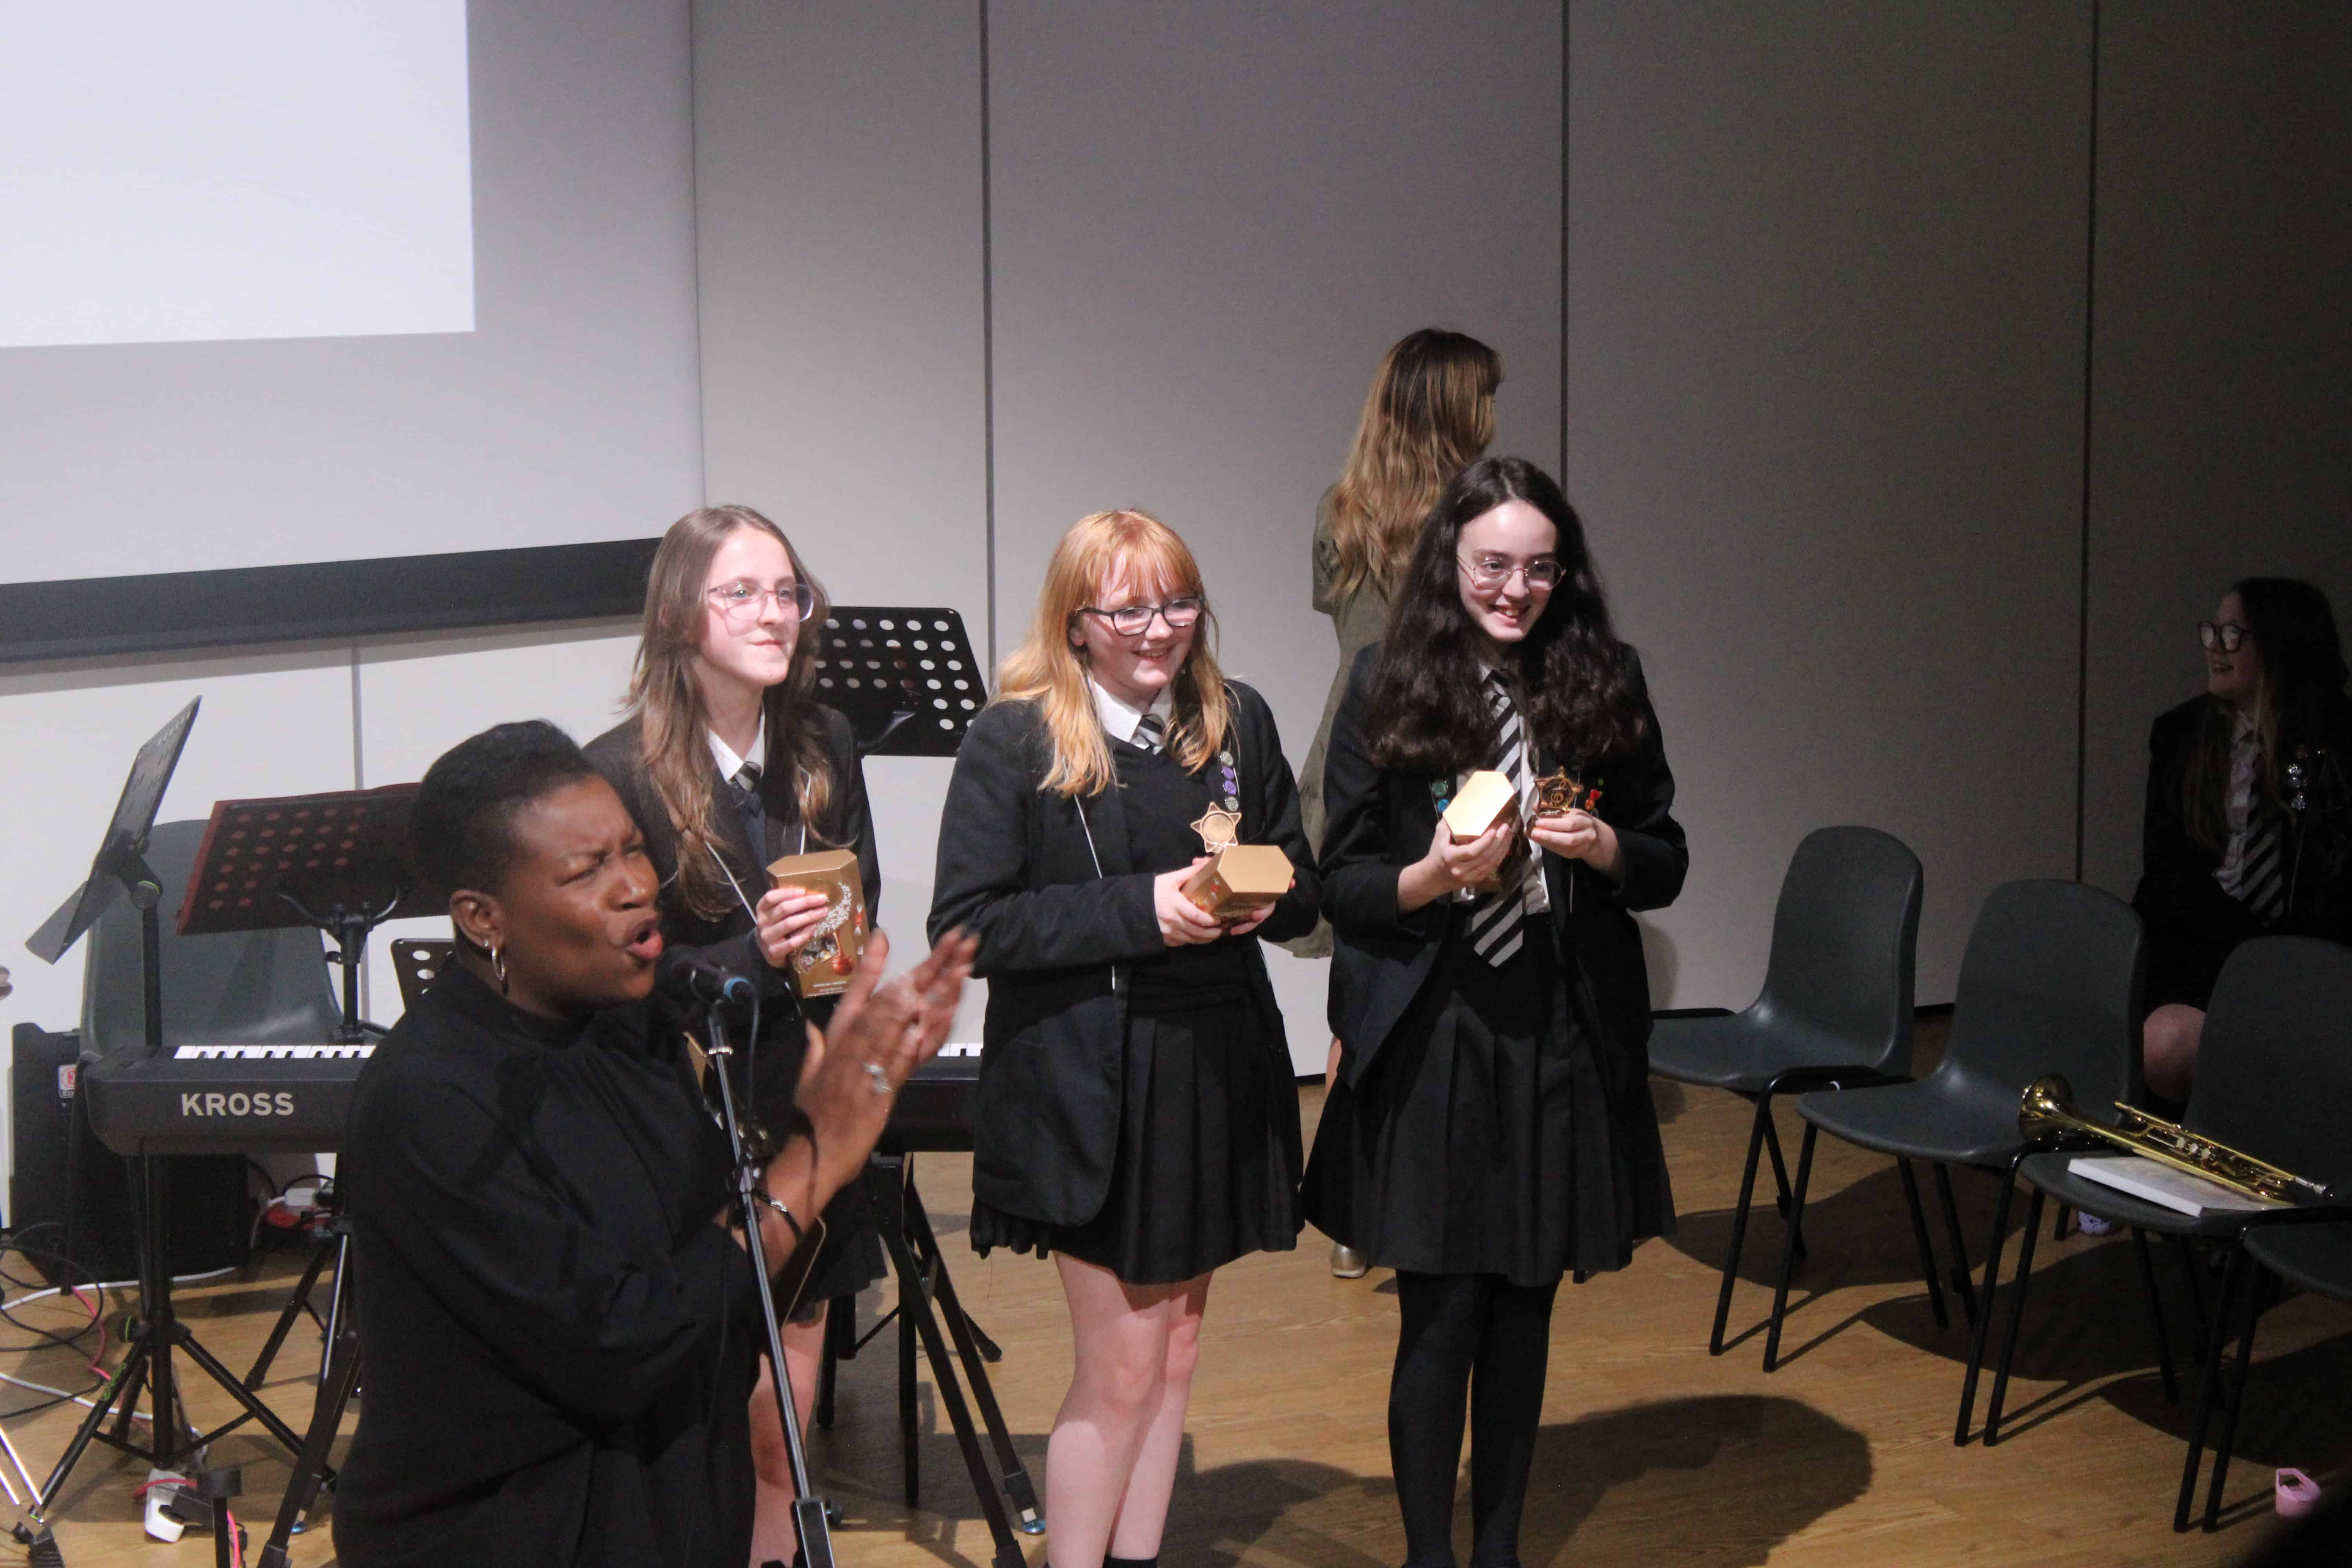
x,y
461,832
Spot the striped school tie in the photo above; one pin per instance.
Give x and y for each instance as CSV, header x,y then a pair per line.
x,y
2261,885
1498,920
1150,732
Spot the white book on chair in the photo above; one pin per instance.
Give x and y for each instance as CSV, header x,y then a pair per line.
x,y
2153,1181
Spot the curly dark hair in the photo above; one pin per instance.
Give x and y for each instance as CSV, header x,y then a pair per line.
x,y
461,829
1569,674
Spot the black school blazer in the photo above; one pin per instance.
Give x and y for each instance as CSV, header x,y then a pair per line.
x,y
1382,821
619,754
1055,936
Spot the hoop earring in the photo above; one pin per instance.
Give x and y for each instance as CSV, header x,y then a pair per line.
x,y
498,968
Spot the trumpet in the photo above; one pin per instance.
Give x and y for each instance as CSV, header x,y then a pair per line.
x,y
2047,1108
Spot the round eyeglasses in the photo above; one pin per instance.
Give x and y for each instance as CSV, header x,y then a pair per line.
x,y
742,601
2227,637
1488,572
1134,620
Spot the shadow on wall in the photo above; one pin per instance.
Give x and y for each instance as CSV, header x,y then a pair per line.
x,y
1665,961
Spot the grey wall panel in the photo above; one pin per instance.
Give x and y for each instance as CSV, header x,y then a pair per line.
x,y
1210,222
838,175
1826,277
2221,447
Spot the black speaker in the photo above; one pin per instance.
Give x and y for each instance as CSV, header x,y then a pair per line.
x,y
210,1216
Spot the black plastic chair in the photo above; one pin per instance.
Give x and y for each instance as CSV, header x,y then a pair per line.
x,y
2051,982
2275,1080
1836,1005
2304,1249
263,987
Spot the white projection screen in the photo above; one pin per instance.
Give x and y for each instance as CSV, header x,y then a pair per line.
x,y
294,283
269,169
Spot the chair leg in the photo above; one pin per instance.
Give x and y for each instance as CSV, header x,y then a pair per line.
x,y
1961,1285
2016,1318
1984,1319
1926,1252
2188,1275
1780,1173
2208,1387
1739,1223
1788,1247
2058,1226
2156,1316
2237,1406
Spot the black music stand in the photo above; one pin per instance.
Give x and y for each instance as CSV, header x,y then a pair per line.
x,y
147,1365
338,861
905,679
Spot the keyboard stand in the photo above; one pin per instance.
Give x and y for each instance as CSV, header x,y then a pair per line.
x,y
905,1230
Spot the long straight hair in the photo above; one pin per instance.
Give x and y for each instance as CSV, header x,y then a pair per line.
x,y
1429,415
667,699
1569,674
2302,680
1049,666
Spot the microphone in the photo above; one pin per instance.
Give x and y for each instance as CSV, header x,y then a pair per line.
x,y
693,979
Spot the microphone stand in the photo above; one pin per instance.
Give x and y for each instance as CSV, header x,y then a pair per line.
x,y
808,1509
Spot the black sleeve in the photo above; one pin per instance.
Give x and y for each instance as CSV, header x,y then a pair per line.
x,y
853,823
987,864
1296,914
600,1323
1637,800
1359,864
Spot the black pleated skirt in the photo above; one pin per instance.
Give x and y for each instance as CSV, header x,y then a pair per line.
x,y
1207,1168
1482,1141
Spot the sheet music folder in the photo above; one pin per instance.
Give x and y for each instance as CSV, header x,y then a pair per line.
x,y
905,679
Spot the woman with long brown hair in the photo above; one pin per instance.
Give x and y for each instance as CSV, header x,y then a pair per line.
x,y
1139,1119
727,762
1430,415
2234,843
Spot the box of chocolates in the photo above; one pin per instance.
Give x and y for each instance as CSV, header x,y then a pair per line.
x,y
824,963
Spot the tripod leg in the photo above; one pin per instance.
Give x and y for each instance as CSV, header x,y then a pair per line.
x,y
1017,1485
254,1407
915,1308
334,1393
125,1387
284,1324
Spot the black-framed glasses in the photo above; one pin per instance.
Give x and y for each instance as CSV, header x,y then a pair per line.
x,y
742,600
1134,620
1488,572
2227,635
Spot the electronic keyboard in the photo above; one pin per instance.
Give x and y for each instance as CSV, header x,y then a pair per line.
x,y
224,1099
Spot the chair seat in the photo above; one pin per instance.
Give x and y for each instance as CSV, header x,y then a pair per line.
x,y
1952,1123
1744,1052
2316,1256
2048,1172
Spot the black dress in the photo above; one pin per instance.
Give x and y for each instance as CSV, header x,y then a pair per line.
x,y
1201,1174
852,1259
559,1340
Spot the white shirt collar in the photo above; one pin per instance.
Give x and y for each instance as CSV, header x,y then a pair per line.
x,y
729,764
1118,720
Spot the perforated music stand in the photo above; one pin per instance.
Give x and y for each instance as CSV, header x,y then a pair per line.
x,y
338,861
905,679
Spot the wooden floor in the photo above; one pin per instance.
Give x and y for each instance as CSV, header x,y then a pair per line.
x,y
1650,1450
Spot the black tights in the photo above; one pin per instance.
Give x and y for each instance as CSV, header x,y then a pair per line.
x,y
1454,1325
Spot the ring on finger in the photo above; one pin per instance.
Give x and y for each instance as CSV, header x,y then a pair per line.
x,y
881,1084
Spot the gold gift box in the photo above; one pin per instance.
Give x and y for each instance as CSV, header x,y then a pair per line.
x,y
824,963
1484,800
1239,881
